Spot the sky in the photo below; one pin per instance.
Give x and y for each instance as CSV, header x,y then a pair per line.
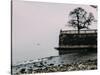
x,y
36,27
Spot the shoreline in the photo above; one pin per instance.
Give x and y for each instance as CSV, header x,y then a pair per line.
x,y
86,65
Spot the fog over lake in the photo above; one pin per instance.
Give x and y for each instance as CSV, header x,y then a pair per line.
x,y
36,27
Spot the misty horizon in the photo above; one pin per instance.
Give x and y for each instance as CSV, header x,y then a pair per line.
x,y
36,27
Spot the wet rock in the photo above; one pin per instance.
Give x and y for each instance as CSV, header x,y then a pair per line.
x,y
81,66
41,68
23,70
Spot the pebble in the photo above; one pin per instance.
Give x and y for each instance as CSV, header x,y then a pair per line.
x,y
86,65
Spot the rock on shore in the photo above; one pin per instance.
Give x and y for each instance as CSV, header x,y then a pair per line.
x,y
86,65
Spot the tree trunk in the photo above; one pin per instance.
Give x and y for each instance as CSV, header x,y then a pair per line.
x,y
78,31
78,24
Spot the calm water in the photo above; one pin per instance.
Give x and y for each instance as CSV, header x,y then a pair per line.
x,y
65,59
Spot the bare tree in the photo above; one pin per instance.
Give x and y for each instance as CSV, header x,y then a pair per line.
x,y
80,19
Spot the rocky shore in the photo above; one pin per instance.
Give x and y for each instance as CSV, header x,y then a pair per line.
x,y
86,65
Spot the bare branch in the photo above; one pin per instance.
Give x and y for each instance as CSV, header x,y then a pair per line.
x,y
80,19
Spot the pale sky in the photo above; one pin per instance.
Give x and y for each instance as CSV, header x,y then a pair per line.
x,y
36,27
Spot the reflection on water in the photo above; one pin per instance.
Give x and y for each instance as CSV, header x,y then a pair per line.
x,y
77,57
